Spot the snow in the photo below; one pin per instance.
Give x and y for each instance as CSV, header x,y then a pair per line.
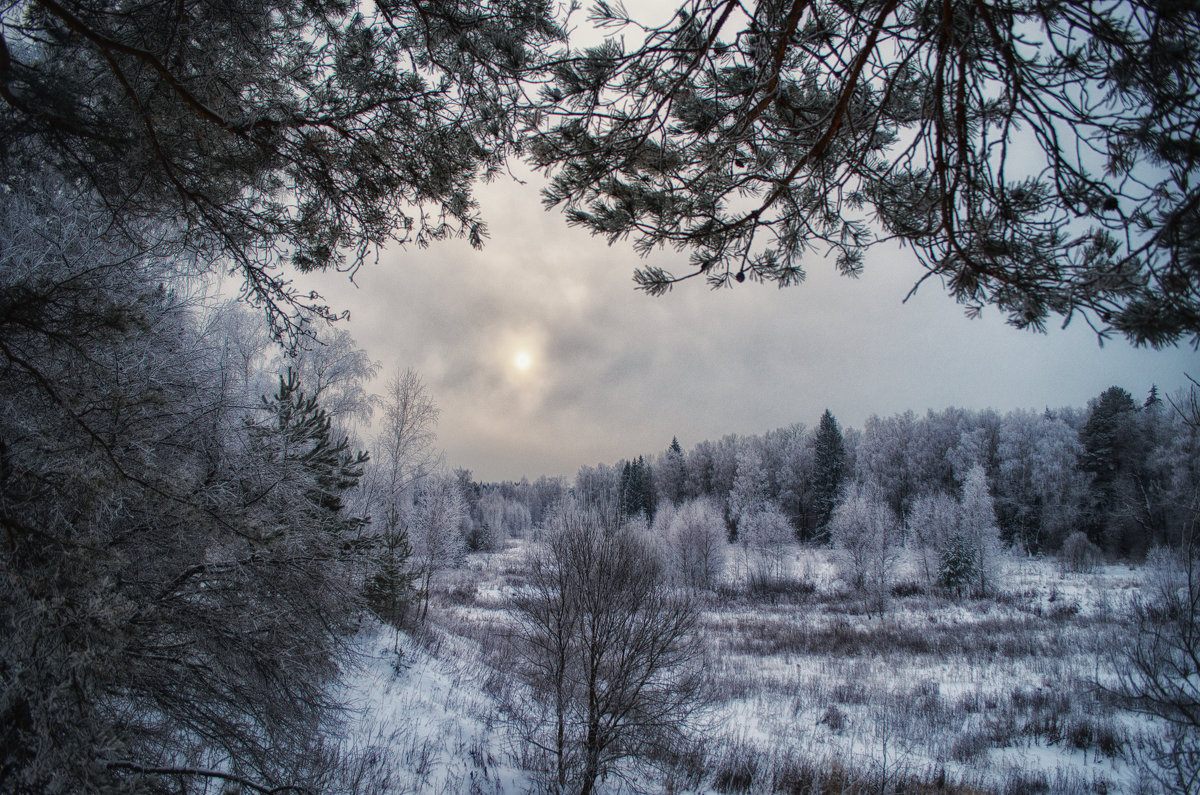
x,y
985,691
431,717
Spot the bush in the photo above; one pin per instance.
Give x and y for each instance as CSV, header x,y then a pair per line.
x,y
834,718
1078,553
907,588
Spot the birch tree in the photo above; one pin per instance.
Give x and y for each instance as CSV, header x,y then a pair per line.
x,y
608,653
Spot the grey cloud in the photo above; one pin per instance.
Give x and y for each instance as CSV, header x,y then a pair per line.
x,y
616,373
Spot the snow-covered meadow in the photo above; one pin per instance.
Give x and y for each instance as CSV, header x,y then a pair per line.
x,y
810,691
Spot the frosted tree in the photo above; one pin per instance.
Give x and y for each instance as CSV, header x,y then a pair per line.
x,y
697,542
976,445
518,520
434,524
698,471
774,445
978,532
1041,491
404,457
932,522
1158,669
180,570
765,536
337,371
491,531
1164,484
724,468
797,479
405,448
502,518
248,355
670,474
748,494
934,437
607,651
885,460
598,487
1180,456
866,541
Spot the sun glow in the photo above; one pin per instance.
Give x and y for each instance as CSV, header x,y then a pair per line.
x,y
523,361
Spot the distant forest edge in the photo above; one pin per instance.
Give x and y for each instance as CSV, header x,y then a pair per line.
x,y
1124,472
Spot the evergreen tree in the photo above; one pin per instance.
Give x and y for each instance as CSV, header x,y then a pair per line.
x,y
178,579
1106,436
1112,453
636,490
669,478
389,588
625,489
829,471
956,567
299,437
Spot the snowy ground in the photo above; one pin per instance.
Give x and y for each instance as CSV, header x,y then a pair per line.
x,y
425,717
993,694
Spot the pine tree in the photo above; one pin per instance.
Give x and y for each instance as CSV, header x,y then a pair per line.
x,y
671,474
300,439
1105,436
829,472
389,588
312,131
837,126
635,489
1113,455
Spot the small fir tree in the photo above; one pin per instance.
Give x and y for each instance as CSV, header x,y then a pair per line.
x,y
957,563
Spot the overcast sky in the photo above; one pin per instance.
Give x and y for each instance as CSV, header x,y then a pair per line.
x,y
614,373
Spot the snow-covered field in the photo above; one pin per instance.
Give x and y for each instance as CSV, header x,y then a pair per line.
x,y
938,694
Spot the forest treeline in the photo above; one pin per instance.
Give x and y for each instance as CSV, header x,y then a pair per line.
x,y
1124,471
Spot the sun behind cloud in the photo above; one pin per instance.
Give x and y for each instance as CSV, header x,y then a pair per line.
x,y
523,361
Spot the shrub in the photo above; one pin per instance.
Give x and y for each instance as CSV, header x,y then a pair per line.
x,y
907,588
1078,553
834,718
968,747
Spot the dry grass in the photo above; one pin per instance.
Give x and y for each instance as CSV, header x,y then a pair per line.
x,y
938,695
